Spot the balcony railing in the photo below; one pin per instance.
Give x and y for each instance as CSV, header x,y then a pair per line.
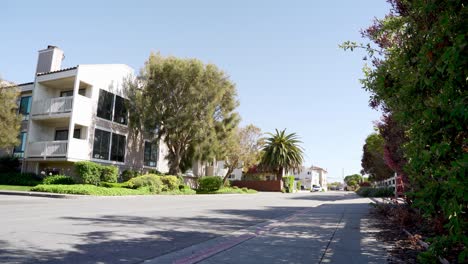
x,y
52,106
47,149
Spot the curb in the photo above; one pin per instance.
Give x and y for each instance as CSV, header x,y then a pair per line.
x,y
39,194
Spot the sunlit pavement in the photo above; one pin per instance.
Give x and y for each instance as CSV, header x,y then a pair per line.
x,y
330,227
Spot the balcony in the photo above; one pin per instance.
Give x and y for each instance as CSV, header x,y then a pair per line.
x,y
43,149
52,106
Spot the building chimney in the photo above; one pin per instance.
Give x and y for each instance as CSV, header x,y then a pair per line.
x,y
49,59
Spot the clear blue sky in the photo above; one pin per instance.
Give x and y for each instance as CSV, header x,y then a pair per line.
x,y
283,56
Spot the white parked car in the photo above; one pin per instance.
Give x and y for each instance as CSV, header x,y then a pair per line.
x,y
316,188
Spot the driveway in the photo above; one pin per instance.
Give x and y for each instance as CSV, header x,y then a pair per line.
x,y
331,227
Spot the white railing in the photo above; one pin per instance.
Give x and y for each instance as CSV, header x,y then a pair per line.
x,y
47,149
52,106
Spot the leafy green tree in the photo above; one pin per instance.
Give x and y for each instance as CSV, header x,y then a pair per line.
x,y
10,120
353,180
373,162
189,105
242,149
419,75
282,152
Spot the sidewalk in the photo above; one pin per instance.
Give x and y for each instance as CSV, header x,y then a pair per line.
x,y
333,232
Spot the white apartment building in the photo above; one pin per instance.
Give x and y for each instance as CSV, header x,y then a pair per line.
x,y
312,176
79,114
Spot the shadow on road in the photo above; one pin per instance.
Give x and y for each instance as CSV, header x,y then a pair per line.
x,y
132,239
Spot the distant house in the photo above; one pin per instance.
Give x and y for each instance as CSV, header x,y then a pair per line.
x,y
312,176
215,168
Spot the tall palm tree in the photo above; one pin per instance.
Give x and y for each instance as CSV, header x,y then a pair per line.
x,y
282,152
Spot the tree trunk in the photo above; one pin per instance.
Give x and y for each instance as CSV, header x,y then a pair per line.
x,y
174,166
279,174
225,180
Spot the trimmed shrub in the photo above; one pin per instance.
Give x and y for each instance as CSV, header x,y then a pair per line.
x,y
109,173
9,164
210,183
151,181
298,185
16,178
375,192
288,182
153,171
170,182
113,185
129,174
58,179
88,172
87,189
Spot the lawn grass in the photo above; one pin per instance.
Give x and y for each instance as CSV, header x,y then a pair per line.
x,y
87,189
229,190
15,188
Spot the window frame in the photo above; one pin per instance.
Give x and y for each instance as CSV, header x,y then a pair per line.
x,y
116,146
102,113
100,151
153,154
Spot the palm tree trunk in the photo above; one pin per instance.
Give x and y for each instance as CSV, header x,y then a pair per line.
x,y
279,174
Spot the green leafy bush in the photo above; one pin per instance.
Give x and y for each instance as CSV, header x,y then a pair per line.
x,y
129,174
375,192
58,179
9,164
298,185
288,182
16,178
88,172
151,181
152,171
113,184
87,189
210,183
170,182
109,173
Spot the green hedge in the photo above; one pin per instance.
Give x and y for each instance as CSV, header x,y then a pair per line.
x,y
9,164
58,179
376,192
210,183
88,172
93,173
129,174
16,178
288,183
170,182
109,173
87,189
151,181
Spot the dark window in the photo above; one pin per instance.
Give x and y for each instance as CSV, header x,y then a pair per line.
x,y
77,133
120,111
66,93
61,134
151,154
118,148
22,144
105,104
101,144
25,105
70,93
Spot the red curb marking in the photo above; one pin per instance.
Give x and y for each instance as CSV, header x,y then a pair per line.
x,y
201,255
213,250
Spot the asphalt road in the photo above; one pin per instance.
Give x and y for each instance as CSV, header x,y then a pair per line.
x,y
292,228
